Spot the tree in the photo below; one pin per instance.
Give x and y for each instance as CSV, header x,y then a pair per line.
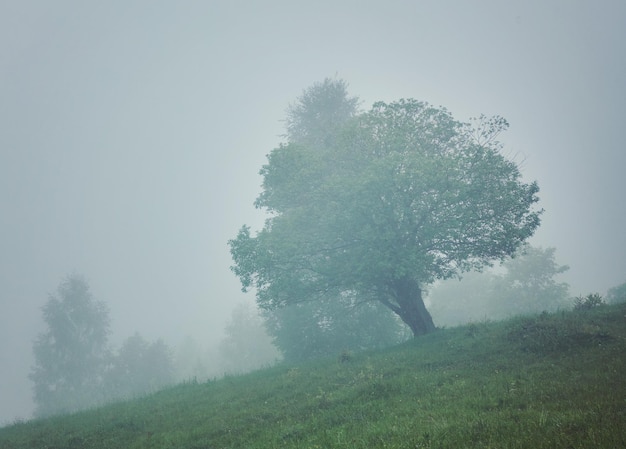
x,y
524,284
192,361
323,328
302,331
246,345
403,196
528,284
140,367
71,355
317,117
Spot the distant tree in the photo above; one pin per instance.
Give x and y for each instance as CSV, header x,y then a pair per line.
x,y
397,198
246,345
192,361
588,302
529,284
71,356
616,294
317,117
159,359
140,367
526,283
326,327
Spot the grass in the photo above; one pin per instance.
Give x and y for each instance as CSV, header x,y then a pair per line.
x,y
546,381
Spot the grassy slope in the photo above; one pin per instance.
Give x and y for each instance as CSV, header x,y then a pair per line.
x,y
550,381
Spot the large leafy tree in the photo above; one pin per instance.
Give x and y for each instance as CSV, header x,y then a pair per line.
x,y
402,196
318,328
71,355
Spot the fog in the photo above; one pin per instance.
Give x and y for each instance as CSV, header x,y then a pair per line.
x,y
132,133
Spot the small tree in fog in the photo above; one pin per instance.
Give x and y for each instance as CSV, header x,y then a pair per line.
x,y
328,326
71,355
192,361
591,301
317,117
140,367
527,283
246,345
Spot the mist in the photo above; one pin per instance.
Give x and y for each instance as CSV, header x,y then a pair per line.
x,y
132,135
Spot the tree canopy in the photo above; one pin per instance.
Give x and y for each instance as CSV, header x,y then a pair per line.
x,y
139,367
402,195
246,346
70,357
74,365
313,329
316,118
524,284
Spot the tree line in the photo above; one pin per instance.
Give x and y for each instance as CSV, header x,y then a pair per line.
x,y
75,368
372,219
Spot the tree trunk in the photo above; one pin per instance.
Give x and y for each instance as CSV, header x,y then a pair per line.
x,y
410,306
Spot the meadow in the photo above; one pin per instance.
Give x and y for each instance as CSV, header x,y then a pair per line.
x,y
543,381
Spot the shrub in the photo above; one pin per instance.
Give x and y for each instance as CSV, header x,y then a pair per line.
x,y
588,302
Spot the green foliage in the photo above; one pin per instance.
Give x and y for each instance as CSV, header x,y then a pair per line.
x,y
345,356
193,361
316,118
74,366
138,368
527,284
246,345
317,329
444,391
588,302
401,196
70,357
549,334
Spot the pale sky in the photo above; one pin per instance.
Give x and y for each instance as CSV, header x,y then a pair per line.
x,y
132,133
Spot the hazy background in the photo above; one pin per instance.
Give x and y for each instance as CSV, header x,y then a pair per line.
x,y
132,133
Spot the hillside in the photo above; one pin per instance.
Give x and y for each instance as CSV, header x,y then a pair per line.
x,y
548,381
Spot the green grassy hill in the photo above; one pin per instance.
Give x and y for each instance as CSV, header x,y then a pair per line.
x,y
548,381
